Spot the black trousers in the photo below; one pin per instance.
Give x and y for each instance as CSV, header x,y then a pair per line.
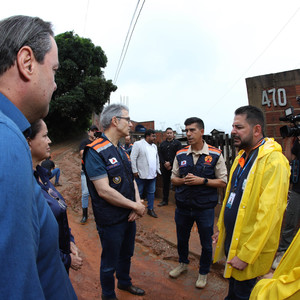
x,y
166,175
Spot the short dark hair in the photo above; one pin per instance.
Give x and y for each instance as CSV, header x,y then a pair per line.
x,y
148,132
93,127
193,120
254,115
19,31
169,128
35,128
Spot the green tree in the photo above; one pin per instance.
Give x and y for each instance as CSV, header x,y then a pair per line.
x,y
81,85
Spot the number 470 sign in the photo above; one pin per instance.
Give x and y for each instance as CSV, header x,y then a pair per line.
x,y
278,97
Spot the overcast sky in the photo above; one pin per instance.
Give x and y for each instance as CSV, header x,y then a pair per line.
x,y
186,57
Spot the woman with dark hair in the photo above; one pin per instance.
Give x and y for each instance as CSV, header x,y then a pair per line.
x,y
38,142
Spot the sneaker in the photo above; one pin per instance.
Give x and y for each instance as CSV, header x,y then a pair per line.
x,y
201,281
178,270
277,259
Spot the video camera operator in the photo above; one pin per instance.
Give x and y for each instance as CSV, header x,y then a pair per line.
x,y
292,214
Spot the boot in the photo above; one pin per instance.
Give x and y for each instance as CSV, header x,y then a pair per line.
x,y
84,216
152,213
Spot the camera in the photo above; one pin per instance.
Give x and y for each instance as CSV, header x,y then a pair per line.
x,y
294,130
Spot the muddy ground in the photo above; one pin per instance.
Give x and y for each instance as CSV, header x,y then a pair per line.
x,y
154,256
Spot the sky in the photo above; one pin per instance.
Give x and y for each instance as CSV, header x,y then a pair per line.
x,y
186,58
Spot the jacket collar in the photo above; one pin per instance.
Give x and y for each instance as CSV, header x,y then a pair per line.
x,y
12,112
269,146
204,150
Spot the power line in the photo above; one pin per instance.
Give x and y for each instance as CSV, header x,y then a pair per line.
x,y
255,60
127,41
126,38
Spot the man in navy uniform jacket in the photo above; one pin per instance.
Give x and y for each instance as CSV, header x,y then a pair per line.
x,y
115,199
198,170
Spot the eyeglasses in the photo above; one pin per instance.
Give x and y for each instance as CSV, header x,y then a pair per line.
x,y
125,118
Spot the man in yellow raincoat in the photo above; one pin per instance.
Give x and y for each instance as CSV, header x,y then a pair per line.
x,y
285,283
255,200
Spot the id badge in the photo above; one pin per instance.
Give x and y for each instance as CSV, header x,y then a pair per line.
x,y
244,184
230,200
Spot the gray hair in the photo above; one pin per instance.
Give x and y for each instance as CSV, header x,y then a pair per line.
x,y
110,111
19,31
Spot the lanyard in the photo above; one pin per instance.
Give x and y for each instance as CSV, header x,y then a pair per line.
x,y
239,174
242,169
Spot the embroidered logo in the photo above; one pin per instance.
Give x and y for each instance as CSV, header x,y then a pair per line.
x,y
183,163
113,160
208,159
117,179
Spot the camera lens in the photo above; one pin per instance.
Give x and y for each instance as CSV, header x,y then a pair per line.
x,y
286,131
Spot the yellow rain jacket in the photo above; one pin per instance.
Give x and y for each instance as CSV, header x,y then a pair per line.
x,y
285,283
257,228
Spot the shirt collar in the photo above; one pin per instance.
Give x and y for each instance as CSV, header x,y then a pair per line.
x,y
12,112
204,150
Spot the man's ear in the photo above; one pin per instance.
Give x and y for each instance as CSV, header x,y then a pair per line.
x,y
25,62
114,121
29,142
257,131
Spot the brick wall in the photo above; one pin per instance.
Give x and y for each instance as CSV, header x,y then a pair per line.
x,y
274,93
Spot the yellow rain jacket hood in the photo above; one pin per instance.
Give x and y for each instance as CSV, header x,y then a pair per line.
x,y
257,228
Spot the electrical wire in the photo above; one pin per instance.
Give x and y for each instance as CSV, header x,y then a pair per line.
x,y
127,41
126,38
255,60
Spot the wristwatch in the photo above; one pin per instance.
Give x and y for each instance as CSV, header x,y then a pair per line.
x,y
205,181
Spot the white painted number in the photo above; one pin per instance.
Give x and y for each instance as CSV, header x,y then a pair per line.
x,y
281,97
265,100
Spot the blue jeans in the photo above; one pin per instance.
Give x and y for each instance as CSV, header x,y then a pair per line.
x,y
84,191
55,172
240,290
291,221
149,185
117,249
204,219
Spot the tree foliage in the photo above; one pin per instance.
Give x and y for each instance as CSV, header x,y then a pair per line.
x,y
81,85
